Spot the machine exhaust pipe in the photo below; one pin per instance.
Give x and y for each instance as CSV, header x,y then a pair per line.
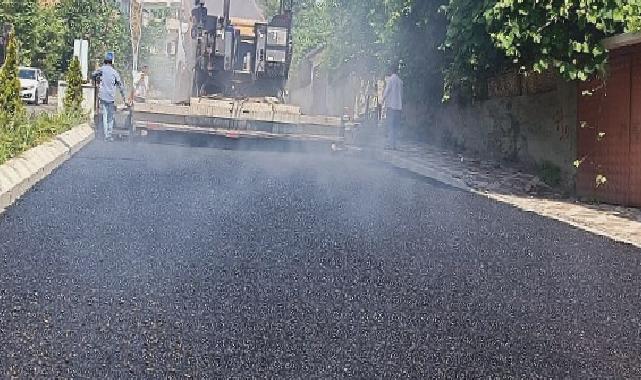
x,y
226,7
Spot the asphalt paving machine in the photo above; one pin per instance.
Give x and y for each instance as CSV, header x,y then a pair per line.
x,y
239,56
230,80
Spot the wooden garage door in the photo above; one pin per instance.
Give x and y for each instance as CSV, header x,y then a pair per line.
x,y
604,134
635,133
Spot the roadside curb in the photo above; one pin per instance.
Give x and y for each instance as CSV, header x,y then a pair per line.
x,y
21,173
576,215
423,170
579,218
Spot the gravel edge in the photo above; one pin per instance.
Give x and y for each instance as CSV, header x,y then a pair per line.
x,y
537,206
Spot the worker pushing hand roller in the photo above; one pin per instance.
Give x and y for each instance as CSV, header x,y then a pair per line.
x,y
393,100
109,79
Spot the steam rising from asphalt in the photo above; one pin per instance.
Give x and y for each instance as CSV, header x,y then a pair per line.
x,y
180,88
185,58
186,46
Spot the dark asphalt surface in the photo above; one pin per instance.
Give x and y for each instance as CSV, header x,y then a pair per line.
x,y
168,262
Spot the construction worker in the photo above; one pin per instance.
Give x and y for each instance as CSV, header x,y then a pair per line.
x,y
109,80
141,85
393,100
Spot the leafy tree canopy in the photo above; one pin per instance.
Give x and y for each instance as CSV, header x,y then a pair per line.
x,y
45,35
456,43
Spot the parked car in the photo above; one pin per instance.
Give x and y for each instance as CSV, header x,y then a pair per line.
x,y
34,87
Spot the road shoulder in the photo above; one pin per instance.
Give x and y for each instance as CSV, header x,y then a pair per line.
x,y
21,173
512,187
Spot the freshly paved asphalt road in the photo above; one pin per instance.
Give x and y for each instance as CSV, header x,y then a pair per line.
x,y
165,261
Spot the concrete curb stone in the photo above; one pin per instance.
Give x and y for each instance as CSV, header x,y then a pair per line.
x,y
21,173
424,170
596,223
76,138
56,149
8,179
50,155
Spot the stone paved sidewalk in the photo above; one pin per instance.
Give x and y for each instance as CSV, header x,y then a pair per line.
x,y
514,187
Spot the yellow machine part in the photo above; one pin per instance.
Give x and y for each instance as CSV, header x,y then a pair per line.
x,y
246,26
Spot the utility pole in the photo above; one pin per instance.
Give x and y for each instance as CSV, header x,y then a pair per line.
x,y
135,21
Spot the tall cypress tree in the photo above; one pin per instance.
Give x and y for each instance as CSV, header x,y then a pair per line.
x,y
73,95
11,106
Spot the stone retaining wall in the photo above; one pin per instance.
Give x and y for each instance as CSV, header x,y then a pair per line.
x,y
527,129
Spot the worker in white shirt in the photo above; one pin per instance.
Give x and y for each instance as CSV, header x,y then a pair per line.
x,y
141,86
393,100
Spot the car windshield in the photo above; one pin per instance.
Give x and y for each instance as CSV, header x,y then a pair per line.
x,y
27,74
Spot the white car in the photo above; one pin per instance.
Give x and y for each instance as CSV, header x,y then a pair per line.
x,y
34,87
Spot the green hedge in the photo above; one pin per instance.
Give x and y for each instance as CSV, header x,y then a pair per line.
x,y
21,135
18,131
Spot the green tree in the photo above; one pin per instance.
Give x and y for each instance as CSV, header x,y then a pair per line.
x,y
373,35
470,53
154,35
270,7
348,30
50,45
11,106
565,36
412,33
45,34
100,22
23,16
73,95
477,38
312,28
484,37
